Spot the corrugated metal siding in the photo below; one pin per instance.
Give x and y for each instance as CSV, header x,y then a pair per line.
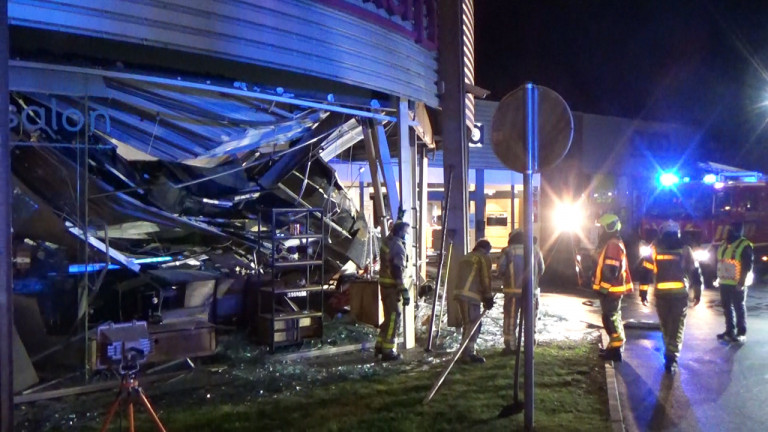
x,y
295,35
468,23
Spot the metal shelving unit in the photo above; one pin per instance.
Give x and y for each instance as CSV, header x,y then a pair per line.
x,y
291,309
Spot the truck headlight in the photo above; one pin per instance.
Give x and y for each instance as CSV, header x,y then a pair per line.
x,y
568,217
701,255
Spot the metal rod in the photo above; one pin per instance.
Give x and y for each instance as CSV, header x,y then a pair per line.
x,y
456,356
445,293
89,388
517,357
443,217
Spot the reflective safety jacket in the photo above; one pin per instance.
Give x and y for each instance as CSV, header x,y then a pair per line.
x,y
392,261
734,262
474,278
612,272
672,270
512,268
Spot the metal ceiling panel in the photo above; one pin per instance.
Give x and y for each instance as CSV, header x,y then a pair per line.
x,y
295,35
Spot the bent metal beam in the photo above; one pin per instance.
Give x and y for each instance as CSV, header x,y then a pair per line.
x,y
59,79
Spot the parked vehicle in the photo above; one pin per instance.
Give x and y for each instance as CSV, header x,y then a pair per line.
x,y
705,208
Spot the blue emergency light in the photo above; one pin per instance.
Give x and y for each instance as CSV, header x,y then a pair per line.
x,y
668,179
710,178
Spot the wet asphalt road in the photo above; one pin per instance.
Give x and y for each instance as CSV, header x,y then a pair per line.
x,y
719,387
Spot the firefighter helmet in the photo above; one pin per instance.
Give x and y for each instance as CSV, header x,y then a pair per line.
x,y
516,236
400,229
610,222
483,244
670,226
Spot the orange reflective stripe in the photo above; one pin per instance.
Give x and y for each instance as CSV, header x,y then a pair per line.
x,y
621,288
666,257
648,265
613,262
644,287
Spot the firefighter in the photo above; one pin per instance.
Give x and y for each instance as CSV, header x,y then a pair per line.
x,y
511,269
473,288
393,259
734,275
671,266
612,281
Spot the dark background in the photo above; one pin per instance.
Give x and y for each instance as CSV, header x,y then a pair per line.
x,y
697,63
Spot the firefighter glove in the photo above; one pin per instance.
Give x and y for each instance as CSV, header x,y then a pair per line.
x,y
644,297
488,303
405,295
406,299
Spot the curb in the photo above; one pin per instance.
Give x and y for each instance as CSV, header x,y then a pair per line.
x,y
614,405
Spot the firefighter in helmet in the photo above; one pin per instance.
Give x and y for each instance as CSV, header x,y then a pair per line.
x,y
392,287
734,274
671,267
612,281
472,289
511,269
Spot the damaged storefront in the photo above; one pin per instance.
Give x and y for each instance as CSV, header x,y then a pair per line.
x,y
197,203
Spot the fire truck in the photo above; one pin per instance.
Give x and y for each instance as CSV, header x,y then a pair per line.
x,y
704,208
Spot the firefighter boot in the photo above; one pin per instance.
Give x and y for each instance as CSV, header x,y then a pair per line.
x,y
473,359
610,354
508,351
670,365
727,336
390,356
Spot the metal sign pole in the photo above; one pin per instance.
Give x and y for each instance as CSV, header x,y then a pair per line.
x,y
6,285
532,144
525,119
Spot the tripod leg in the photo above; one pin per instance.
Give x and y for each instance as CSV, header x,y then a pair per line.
x,y
152,413
130,417
112,410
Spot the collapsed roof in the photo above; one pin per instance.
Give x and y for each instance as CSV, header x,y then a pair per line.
x,y
171,170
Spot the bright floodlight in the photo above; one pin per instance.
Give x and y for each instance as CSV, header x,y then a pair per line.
x,y
568,217
710,178
645,250
668,179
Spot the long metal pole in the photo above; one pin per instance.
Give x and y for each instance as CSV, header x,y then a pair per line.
x,y
444,218
456,356
531,164
439,318
6,285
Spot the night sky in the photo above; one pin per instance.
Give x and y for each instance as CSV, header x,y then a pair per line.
x,y
699,63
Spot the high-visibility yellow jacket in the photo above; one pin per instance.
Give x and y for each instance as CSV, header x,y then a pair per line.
x,y
672,268
474,278
612,272
734,262
512,268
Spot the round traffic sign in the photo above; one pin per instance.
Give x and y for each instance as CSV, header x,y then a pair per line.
x,y
508,129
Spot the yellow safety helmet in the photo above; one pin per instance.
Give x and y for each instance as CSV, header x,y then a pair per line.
x,y
610,222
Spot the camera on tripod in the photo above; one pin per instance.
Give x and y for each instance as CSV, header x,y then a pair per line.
x,y
122,346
